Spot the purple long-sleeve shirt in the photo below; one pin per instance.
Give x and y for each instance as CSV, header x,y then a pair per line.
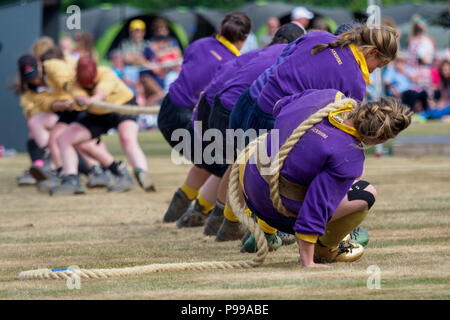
x,y
244,76
200,62
225,72
326,160
334,68
260,81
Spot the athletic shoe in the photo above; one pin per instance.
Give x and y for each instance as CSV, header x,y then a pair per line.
x,y
359,235
286,238
273,242
98,178
193,217
69,185
214,222
145,180
230,231
178,205
54,180
247,235
122,181
46,185
26,179
345,251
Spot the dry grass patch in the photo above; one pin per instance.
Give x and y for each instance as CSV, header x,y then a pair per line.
x,y
408,227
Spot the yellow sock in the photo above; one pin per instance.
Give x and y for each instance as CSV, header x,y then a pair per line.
x,y
265,227
189,192
336,230
229,215
207,207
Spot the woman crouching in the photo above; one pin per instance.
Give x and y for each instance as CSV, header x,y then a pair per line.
x,y
305,176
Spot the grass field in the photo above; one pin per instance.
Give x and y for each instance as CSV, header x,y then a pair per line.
x,y
408,227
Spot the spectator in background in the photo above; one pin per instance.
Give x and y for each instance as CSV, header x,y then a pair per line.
x,y
399,79
85,45
442,94
132,49
320,23
41,46
273,24
67,47
301,16
421,46
162,49
251,43
118,66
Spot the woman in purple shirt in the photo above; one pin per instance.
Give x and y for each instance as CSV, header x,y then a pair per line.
x,y
213,112
201,60
315,192
321,60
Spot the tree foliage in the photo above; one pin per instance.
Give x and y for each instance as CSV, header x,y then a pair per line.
x,y
227,5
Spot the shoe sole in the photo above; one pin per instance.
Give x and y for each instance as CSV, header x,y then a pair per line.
x,y
26,183
42,188
96,186
66,192
38,174
149,189
181,224
120,190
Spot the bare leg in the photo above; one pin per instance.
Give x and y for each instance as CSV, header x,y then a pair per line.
x,y
72,136
209,189
40,126
53,144
153,91
99,152
89,160
128,133
196,177
223,186
347,207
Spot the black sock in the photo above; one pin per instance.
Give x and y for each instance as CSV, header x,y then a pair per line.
x,y
114,168
82,165
34,151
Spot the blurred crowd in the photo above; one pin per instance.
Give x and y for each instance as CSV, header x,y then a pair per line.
x,y
420,75
149,64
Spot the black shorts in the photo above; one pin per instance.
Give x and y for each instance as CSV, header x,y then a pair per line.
x,y
172,117
68,117
218,119
203,112
101,124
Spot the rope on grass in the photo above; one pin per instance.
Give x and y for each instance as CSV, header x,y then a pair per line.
x,y
246,220
234,194
125,108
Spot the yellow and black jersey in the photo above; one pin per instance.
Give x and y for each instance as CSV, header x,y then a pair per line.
x,y
35,102
115,90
